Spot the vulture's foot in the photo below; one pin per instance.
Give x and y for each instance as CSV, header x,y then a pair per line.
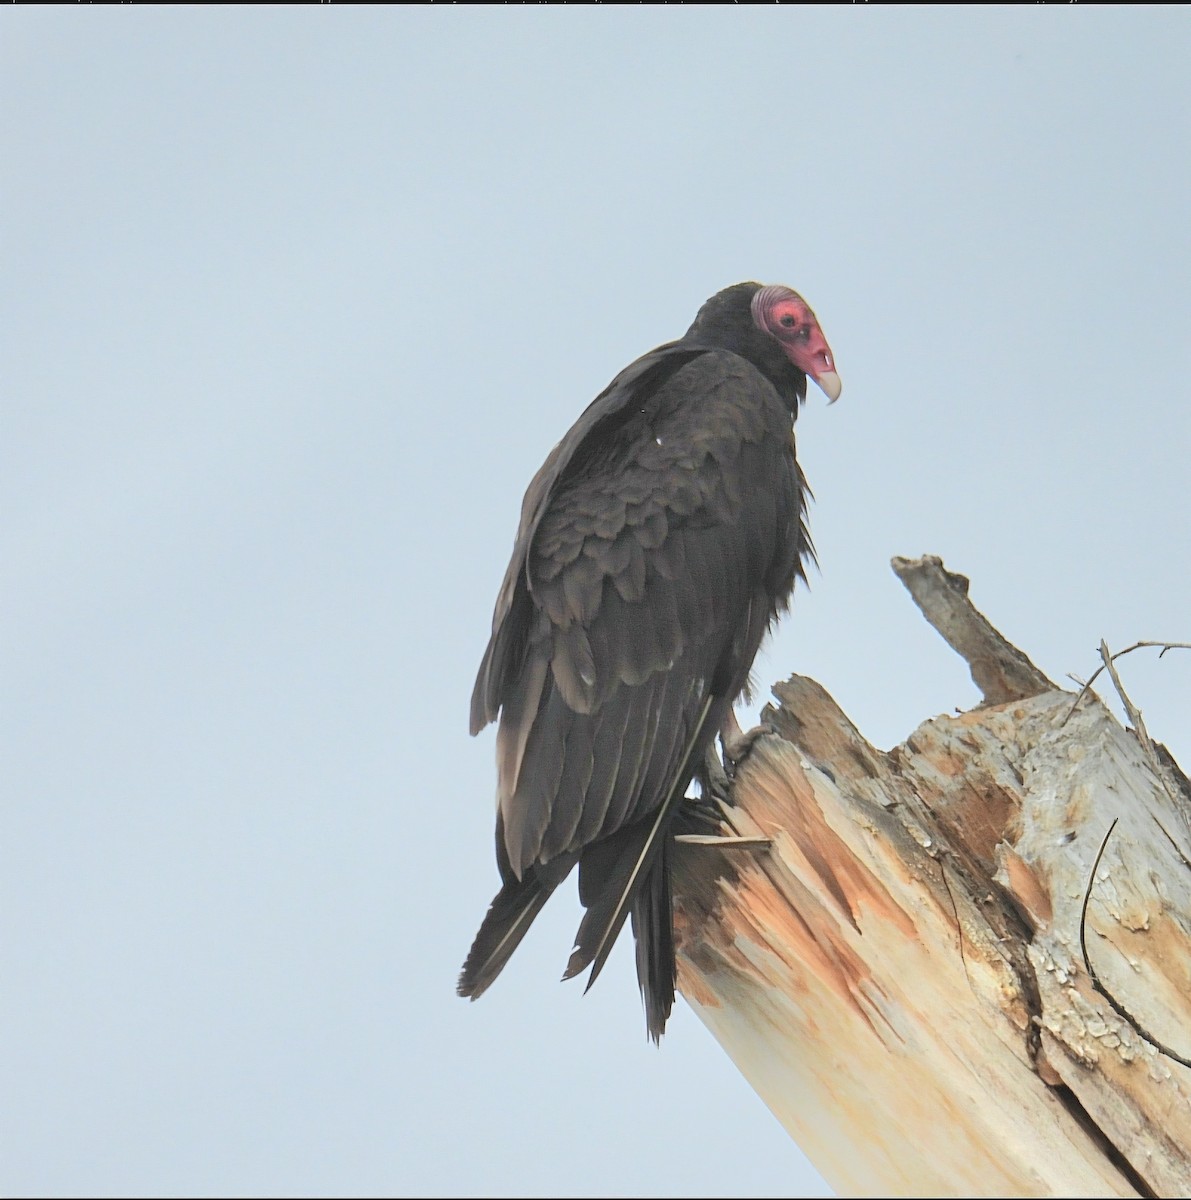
x,y
703,819
737,744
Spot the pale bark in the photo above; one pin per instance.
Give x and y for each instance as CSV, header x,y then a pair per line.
x,y
900,974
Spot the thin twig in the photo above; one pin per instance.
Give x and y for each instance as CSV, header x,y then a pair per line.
x,y
1128,650
1144,739
1118,1008
1131,709
959,929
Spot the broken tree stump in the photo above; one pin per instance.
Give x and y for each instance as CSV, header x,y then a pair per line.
x,y
901,977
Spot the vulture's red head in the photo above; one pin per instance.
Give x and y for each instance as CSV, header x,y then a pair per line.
x,y
787,318
773,327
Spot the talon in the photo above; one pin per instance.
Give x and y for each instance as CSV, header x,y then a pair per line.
x,y
736,743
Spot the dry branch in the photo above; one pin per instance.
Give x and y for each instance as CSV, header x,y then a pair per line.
x,y
900,976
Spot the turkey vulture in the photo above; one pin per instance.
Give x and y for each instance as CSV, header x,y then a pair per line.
x,y
659,541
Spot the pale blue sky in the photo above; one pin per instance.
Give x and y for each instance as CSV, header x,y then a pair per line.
x,y
295,301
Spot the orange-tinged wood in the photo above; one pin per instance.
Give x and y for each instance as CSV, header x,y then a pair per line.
x,y
899,975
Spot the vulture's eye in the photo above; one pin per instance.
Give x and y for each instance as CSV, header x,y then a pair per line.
x,y
788,321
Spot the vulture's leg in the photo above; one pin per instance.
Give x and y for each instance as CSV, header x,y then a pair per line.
x,y
736,742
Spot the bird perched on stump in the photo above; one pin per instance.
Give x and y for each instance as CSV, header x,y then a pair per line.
x,y
658,543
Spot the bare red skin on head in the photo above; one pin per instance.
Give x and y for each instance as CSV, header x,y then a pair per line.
x,y
786,317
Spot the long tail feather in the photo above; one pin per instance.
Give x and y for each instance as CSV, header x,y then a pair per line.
x,y
604,919
508,918
653,927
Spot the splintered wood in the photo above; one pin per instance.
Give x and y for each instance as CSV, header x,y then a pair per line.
x,y
900,974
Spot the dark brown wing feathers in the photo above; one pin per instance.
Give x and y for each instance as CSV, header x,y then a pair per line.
x,y
657,542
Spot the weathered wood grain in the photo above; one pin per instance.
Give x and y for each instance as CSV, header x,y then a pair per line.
x,y
900,975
